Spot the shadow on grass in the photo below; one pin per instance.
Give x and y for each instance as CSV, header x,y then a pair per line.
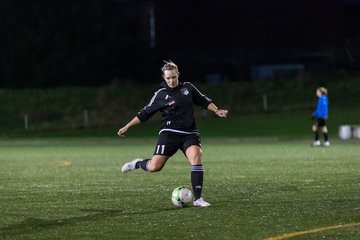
x,y
31,225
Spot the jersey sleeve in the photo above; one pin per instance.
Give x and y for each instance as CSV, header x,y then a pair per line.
x,y
199,98
153,106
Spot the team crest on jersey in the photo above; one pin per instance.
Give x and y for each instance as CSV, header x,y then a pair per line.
x,y
185,91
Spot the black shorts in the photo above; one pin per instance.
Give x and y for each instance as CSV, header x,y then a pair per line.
x,y
320,122
168,143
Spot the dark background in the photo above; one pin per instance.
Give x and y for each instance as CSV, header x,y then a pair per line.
x,y
57,43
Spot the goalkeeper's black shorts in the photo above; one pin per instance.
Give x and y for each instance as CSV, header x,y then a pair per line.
x,y
320,122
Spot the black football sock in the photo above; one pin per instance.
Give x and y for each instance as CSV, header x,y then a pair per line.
x,y
316,136
326,137
142,164
197,178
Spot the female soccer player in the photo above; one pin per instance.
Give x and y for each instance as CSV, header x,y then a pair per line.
x,y
178,128
321,115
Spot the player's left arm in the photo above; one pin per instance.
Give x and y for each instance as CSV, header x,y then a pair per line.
x,y
201,100
220,112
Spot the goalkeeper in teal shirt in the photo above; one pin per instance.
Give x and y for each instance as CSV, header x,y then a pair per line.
x,y
320,116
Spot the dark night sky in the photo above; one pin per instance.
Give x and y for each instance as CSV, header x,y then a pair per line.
x,y
45,43
256,23
352,2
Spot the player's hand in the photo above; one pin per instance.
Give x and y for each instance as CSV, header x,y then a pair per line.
x,y
221,113
122,131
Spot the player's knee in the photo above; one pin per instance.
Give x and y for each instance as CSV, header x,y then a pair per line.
x,y
154,167
196,159
151,169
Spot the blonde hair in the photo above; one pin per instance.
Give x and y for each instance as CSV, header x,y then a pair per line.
x,y
323,90
169,65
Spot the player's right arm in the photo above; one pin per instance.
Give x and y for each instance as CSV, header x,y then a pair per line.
x,y
153,106
145,113
124,129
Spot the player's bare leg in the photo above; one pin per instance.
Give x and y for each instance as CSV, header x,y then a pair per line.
x,y
155,164
324,129
314,128
316,143
194,155
326,137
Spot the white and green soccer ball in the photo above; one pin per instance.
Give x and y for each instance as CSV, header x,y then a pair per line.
x,y
181,196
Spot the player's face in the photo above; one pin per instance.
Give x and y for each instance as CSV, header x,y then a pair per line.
x,y
171,78
318,93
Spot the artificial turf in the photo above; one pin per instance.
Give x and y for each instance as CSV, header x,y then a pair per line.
x,y
72,188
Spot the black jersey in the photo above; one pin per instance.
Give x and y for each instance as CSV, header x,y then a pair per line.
x,y
176,107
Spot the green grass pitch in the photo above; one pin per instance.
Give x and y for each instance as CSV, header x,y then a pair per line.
x,y
73,189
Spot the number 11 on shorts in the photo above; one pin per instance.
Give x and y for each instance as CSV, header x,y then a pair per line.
x,y
160,149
